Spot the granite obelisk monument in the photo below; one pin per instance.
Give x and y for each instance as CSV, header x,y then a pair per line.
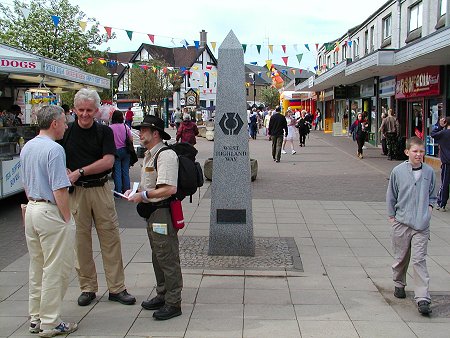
x,y
231,228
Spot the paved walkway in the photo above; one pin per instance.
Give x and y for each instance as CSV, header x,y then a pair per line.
x,y
330,203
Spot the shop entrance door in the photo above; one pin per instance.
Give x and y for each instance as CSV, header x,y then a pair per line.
x,y
415,114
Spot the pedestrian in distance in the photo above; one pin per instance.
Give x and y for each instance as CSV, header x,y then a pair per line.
x,y
359,129
187,131
49,225
90,152
410,197
277,129
384,150
303,128
442,136
253,124
390,128
121,169
318,119
156,189
290,121
178,116
129,117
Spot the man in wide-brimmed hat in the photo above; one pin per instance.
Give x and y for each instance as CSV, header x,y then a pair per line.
x,y
156,189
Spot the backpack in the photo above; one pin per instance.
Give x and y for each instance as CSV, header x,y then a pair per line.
x,y
190,173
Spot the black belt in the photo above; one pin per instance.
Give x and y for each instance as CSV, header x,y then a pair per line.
x,y
39,200
161,204
100,182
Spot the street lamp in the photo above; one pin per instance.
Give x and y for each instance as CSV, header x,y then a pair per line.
x,y
112,76
252,75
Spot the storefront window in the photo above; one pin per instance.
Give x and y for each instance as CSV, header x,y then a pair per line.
x,y
416,119
435,112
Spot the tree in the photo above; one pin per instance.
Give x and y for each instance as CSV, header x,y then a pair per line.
x,y
271,97
150,81
37,34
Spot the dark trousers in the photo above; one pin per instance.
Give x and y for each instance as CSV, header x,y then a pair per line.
x,y
302,138
384,146
391,140
166,258
277,142
445,180
360,141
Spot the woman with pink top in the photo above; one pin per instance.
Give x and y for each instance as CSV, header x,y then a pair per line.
x,y
121,169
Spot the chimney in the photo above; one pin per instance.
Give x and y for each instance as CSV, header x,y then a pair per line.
x,y
203,38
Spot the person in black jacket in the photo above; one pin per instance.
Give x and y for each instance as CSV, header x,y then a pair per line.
x,y
277,125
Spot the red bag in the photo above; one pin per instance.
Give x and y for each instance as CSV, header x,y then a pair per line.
x,y
176,211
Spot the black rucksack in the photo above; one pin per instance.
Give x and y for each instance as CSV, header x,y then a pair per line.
x,y
190,173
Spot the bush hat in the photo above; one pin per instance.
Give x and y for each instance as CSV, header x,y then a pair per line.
x,y
154,122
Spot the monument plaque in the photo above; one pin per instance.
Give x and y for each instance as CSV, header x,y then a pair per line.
x,y
231,228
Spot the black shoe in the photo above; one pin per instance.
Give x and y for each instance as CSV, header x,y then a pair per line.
x,y
122,297
399,292
424,307
86,298
167,312
153,304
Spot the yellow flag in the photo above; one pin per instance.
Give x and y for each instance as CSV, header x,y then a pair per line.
x,y
269,64
271,48
102,61
213,45
195,67
82,25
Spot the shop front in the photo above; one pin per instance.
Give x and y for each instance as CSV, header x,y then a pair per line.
x,y
30,81
329,110
420,104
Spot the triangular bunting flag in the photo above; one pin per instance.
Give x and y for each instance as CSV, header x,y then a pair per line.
x,y
299,57
307,46
130,34
300,71
270,48
244,47
285,59
284,48
206,74
209,67
260,74
108,31
269,64
173,42
317,47
350,44
284,71
258,48
55,19
102,61
82,25
254,63
151,37
213,45
197,44
25,12
295,47
184,43
293,71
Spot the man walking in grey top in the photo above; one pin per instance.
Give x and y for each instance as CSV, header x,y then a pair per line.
x,y
49,225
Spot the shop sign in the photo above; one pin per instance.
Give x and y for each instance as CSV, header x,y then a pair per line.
x,y
418,83
329,94
387,86
11,180
367,90
76,75
340,93
18,65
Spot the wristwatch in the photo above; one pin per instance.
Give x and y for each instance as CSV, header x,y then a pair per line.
x,y
81,171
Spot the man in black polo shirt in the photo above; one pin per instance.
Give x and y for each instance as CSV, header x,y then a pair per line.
x,y
90,151
277,128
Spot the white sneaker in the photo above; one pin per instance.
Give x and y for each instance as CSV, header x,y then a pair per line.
x,y
283,151
293,152
364,147
62,328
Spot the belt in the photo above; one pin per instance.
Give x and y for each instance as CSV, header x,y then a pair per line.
x,y
100,182
161,204
39,200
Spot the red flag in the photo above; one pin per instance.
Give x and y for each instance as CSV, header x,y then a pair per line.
x,y
108,31
208,67
284,48
285,59
89,60
317,46
151,37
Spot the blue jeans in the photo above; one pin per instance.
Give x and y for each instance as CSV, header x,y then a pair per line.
x,y
121,173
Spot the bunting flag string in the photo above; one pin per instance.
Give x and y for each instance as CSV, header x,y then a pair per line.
x,y
56,19
82,25
130,35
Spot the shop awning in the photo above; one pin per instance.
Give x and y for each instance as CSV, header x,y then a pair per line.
x,y
30,68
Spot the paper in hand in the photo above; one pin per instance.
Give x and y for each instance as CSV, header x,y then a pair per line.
x,y
133,191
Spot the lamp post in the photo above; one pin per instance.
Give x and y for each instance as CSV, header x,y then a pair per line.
x,y
112,76
252,75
